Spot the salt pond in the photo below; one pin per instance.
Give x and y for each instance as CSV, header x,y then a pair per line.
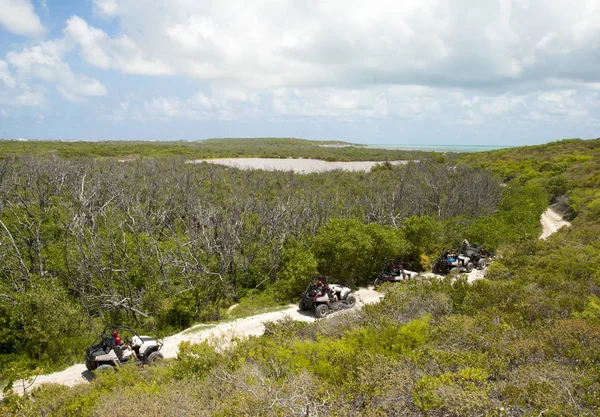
x,y
299,165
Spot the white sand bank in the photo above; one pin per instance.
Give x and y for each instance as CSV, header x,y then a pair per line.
x,y
303,166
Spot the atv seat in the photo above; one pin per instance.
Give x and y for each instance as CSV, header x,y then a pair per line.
x,y
118,352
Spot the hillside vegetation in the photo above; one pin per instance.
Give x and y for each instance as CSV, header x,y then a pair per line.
x,y
209,148
161,244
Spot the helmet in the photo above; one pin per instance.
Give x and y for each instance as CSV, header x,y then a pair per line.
x,y
319,283
448,251
115,333
117,340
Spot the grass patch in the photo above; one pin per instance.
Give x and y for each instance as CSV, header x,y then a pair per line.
x,y
255,303
200,327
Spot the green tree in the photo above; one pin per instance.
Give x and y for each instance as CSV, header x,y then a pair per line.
x,y
352,252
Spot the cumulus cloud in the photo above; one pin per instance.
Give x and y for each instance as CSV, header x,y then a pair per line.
x,y
123,53
19,17
452,63
342,43
5,76
30,97
106,7
44,62
222,105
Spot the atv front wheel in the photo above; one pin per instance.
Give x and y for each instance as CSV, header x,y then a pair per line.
x,y
89,365
481,264
301,306
435,268
105,367
469,267
452,270
154,356
321,311
351,301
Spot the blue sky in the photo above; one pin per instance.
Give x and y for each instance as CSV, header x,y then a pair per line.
x,y
497,72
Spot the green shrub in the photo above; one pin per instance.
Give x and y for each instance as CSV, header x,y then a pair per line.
x,y
195,360
462,393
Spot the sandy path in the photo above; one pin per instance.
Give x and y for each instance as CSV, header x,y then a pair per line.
x,y
551,222
224,332
472,276
299,165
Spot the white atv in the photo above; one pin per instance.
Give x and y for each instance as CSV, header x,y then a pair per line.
x,y
323,297
104,354
394,271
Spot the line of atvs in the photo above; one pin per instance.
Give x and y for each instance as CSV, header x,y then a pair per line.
x,y
321,296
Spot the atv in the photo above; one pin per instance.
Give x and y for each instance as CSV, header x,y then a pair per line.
x,y
325,298
477,254
450,262
394,271
104,354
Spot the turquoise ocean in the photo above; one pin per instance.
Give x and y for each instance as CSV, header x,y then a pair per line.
x,y
438,148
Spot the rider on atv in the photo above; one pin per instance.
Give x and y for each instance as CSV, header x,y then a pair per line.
x,y
325,288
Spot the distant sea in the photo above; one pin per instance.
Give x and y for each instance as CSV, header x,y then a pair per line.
x,y
439,148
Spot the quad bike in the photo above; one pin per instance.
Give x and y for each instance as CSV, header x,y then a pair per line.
x,y
447,263
394,272
104,354
477,254
326,298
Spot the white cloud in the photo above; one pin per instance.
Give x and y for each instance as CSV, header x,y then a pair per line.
x,y
19,17
106,7
45,62
198,107
518,61
13,93
344,44
30,97
5,75
98,49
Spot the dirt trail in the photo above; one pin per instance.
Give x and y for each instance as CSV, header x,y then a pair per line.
x,y
248,326
551,222
254,325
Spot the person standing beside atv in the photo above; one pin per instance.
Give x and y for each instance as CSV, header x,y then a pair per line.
x,y
465,246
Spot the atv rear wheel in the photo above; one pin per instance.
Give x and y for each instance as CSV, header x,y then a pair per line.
x,y
321,311
351,301
481,264
154,356
105,367
89,365
469,267
453,270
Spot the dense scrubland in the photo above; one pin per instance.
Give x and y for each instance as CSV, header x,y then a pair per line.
x,y
209,148
161,244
